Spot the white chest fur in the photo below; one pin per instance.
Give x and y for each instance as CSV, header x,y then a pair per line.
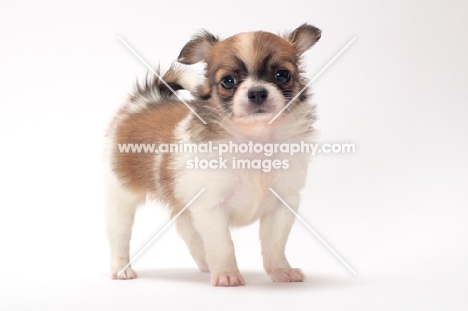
x,y
242,192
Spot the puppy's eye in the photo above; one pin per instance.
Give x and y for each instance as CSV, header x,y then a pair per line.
x,y
228,82
282,76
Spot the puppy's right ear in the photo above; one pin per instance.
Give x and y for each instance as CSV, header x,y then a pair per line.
x,y
197,48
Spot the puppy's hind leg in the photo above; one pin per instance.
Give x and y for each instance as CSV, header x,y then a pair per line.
x,y
187,232
121,205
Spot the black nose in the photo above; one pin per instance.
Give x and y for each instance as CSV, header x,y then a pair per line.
x,y
257,95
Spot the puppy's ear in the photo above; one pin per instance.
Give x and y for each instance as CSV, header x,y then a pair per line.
x,y
304,37
197,48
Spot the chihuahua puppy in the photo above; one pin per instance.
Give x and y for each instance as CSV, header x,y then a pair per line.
x,y
249,78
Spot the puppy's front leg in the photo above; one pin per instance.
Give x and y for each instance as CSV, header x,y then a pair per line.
x,y
275,226
213,226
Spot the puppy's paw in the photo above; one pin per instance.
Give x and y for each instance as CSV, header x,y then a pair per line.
x,y
126,274
287,275
227,279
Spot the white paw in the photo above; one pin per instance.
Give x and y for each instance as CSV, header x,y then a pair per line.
x,y
227,279
287,275
126,274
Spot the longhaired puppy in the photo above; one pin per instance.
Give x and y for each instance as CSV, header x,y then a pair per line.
x,y
249,79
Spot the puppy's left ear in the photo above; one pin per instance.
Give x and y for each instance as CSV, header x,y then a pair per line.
x,y
197,48
304,37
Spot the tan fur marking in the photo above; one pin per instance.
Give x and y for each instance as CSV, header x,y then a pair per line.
x,y
153,125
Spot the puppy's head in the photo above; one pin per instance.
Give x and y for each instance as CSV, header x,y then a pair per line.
x,y
252,76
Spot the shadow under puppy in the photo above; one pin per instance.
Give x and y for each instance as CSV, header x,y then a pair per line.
x,y
249,78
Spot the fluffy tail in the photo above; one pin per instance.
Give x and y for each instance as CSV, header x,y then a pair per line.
x,y
158,87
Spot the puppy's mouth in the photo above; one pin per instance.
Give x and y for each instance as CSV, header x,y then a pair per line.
x,y
254,110
260,110
257,114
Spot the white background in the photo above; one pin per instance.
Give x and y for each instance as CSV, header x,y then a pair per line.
x,y
396,210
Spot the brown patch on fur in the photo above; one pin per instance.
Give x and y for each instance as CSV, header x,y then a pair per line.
x,y
154,124
278,51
